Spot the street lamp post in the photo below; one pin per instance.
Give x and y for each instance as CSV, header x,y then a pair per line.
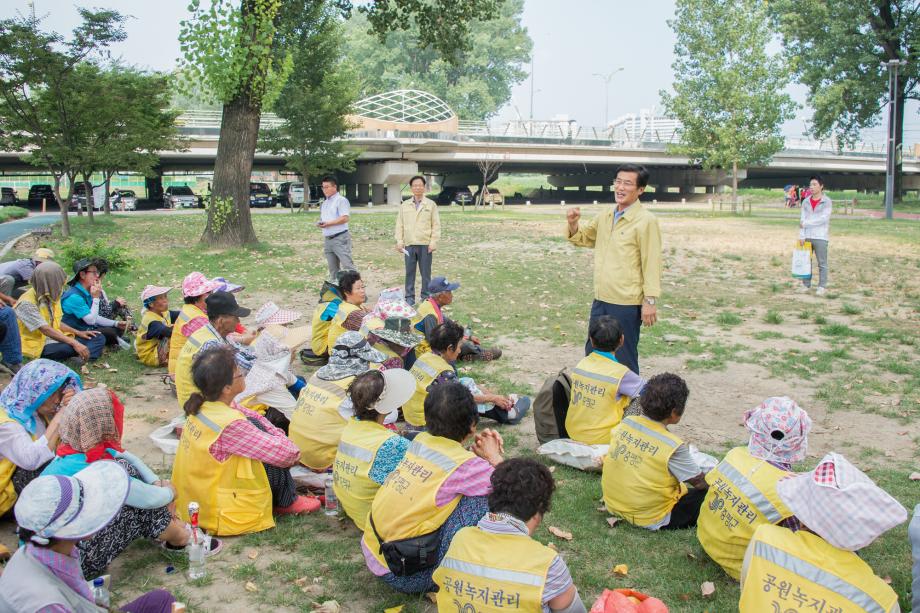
x,y
531,85
607,78
892,66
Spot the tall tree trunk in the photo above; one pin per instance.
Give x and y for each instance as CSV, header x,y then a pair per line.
x,y
734,186
88,189
65,220
229,218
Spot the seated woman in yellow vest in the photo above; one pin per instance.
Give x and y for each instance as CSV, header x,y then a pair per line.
x,y
602,388
231,460
500,558
352,310
195,290
437,489
323,407
818,568
154,333
742,488
330,297
446,340
369,451
91,431
29,420
41,328
646,467
430,315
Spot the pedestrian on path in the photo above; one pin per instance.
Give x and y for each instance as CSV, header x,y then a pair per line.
x,y
627,261
333,219
418,230
814,227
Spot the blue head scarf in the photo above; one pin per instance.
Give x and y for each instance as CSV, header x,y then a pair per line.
x,y
32,386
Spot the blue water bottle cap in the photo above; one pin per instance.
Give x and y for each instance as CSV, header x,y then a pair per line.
x,y
98,582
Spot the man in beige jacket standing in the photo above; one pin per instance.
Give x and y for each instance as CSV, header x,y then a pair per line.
x,y
418,230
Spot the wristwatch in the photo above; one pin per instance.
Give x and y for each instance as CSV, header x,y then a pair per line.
x,y
650,300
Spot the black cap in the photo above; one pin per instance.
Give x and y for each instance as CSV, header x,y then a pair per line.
x,y
78,267
224,303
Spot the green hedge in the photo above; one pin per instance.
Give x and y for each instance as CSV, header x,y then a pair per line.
x,y
12,212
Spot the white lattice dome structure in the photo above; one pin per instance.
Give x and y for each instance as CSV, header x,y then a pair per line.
x,y
405,106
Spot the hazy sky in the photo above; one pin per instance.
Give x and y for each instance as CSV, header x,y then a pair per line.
x,y
573,39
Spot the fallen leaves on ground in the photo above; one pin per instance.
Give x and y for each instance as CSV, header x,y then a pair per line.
x,y
252,554
563,534
708,588
394,609
552,546
914,477
613,521
621,570
330,606
251,587
432,596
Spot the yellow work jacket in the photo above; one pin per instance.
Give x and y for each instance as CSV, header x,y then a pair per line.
x,y
33,341
7,468
147,349
404,506
423,310
800,571
426,368
337,325
594,408
234,495
627,259
353,461
319,328
493,572
420,226
316,424
636,482
742,497
185,387
177,341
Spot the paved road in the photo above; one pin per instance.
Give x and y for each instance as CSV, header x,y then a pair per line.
x,y
12,229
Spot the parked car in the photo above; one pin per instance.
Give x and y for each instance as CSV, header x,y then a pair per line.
x,y
78,200
493,197
8,195
39,192
179,197
260,195
123,200
290,194
455,194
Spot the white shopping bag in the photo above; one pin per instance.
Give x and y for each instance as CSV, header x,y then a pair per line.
x,y
801,261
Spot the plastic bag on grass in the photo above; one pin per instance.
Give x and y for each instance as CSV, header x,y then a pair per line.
x,y
166,438
627,601
577,455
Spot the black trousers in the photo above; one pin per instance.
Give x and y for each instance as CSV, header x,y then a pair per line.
x,y
686,511
630,318
418,256
284,491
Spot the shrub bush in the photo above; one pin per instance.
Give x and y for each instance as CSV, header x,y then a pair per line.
x,y
116,256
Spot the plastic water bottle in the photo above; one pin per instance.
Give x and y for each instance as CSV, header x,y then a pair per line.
x,y
332,503
197,545
100,593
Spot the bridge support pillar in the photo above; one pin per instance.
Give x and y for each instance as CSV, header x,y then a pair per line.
x,y
394,193
364,191
377,193
710,189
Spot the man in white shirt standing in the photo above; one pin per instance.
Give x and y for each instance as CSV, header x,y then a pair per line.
x,y
814,227
333,219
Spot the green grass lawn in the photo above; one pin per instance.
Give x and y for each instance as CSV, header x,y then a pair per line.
x,y
727,298
12,212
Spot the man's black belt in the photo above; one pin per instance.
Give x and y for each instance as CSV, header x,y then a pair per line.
x,y
337,234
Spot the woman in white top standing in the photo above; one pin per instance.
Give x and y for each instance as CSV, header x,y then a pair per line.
x,y
814,226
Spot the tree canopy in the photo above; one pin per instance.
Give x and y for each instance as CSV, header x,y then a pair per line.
x,y
728,91
476,85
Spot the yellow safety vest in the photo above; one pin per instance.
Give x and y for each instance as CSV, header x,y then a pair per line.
x,y
594,408
404,506
33,341
493,573
337,325
147,349
426,368
316,424
351,471
234,495
7,468
800,571
742,497
184,385
187,313
636,482
320,330
383,348
424,309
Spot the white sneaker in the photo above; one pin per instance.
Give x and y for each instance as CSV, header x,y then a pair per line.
x,y
820,291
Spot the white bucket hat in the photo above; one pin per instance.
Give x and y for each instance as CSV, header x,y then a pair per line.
x,y
839,503
398,388
72,508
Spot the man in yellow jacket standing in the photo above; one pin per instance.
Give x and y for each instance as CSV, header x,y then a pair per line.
x,y
418,230
627,261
